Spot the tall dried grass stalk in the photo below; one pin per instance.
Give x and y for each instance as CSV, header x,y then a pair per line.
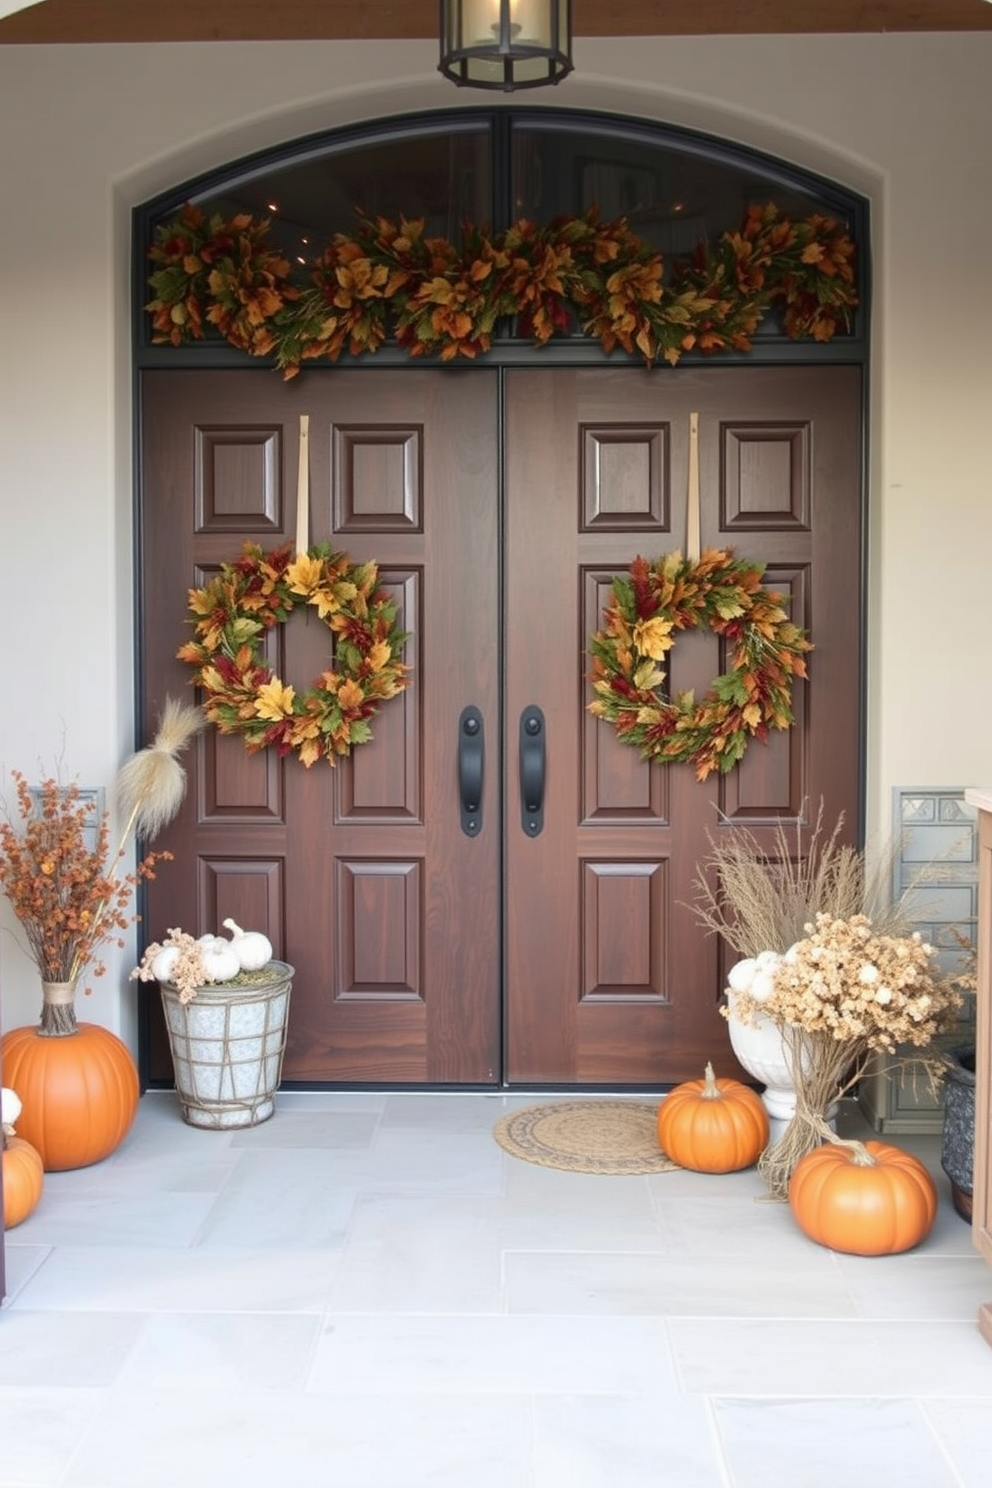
x,y
761,899
150,787
829,1071
152,783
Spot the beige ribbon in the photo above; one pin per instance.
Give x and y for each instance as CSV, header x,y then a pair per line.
x,y
692,502
58,994
303,488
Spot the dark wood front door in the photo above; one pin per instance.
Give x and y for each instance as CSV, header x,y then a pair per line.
x,y
497,505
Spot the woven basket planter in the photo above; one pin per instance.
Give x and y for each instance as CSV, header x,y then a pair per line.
x,y
227,1048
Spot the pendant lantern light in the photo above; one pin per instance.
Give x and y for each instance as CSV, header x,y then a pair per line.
x,y
506,44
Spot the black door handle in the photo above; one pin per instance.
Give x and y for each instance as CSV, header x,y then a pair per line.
x,y
532,770
471,762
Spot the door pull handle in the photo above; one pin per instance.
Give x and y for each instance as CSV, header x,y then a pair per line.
x,y
471,764
533,763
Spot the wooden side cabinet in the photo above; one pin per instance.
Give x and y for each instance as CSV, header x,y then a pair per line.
x,y
981,1223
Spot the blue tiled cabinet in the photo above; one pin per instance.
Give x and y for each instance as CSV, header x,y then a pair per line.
x,y
935,868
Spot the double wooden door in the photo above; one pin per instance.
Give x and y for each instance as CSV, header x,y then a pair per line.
x,y
494,890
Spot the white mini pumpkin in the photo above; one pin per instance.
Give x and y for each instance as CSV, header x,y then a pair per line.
x,y
220,963
164,963
252,948
740,975
10,1109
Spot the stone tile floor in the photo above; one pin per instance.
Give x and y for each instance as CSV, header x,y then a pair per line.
x,y
367,1292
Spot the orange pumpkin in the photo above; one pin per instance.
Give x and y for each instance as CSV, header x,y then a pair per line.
x,y
23,1180
79,1092
864,1198
713,1125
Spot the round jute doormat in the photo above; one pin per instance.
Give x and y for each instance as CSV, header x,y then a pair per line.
x,y
587,1136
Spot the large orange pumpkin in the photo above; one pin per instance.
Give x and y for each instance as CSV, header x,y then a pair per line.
x,y
864,1198
79,1092
23,1180
713,1125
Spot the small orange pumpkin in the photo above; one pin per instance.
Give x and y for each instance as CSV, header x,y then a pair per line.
x,y
863,1198
23,1180
713,1125
79,1092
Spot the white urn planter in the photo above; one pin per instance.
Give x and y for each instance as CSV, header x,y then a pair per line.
x,y
759,1049
227,1048
758,1043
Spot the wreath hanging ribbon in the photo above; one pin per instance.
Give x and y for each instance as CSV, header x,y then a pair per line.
x,y
234,612
717,592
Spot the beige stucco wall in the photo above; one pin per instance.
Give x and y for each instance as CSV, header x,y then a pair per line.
x,y
85,133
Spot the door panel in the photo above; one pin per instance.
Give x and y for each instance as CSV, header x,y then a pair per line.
x,y
360,874
420,947
608,977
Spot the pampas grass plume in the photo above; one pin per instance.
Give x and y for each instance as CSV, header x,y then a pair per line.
x,y
152,783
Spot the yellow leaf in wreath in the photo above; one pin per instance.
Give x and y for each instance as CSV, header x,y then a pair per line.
x,y
202,601
752,715
325,601
210,680
304,574
211,634
649,715
653,637
648,677
309,752
307,727
350,695
378,655
274,701
344,591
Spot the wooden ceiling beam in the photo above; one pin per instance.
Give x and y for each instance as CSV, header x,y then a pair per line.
x,y
90,21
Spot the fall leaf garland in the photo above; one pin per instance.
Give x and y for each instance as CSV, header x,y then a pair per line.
x,y
437,298
249,598
649,608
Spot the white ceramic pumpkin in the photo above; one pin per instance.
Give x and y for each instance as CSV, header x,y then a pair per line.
x,y
164,963
10,1107
252,948
220,963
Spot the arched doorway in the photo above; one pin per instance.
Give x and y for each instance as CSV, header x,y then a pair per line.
x,y
498,500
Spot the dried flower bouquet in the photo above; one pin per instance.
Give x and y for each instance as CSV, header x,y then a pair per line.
x,y
65,883
840,996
